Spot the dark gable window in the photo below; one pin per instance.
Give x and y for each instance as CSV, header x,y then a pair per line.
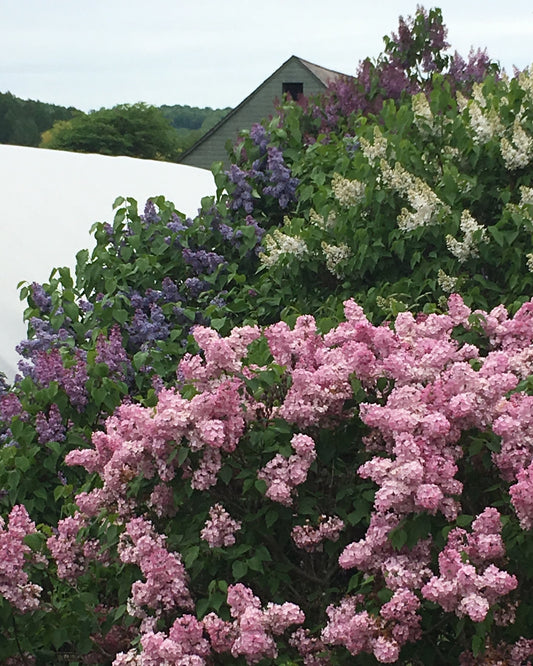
x,y
293,89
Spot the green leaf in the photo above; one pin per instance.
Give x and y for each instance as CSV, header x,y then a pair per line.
x,y
225,474
398,538
139,359
239,569
190,556
183,453
255,564
478,645
271,517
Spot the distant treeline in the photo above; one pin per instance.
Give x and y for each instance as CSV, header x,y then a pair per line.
x,y
33,123
191,122
22,122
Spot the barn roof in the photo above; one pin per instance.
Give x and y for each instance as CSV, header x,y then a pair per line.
x,y
322,74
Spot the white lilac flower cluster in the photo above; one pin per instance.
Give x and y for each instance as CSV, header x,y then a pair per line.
x,y
376,151
484,121
347,192
425,204
335,254
278,244
525,81
327,222
518,151
469,246
446,282
524,208
422,112
484,125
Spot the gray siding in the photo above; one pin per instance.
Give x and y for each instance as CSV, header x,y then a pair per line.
x,y
259,105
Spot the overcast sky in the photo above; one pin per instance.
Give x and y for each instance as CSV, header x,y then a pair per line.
x,y
212,52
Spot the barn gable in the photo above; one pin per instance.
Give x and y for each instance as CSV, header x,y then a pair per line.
x,y
296,76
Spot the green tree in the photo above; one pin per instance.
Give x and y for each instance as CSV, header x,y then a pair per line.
x,y
135,130
23,121
192,117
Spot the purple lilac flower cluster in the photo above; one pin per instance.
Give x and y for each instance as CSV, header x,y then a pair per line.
x,y
241,196
51,428
41,299
282,186
48,367
10,406
149,322
411,56
110,350
150,215
202,261
268,172
44,337
145,328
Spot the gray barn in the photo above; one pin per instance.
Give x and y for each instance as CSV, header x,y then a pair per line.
x,y
296,76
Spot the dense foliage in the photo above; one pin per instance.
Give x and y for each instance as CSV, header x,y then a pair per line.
x,y
191,123
276,432
192,117
33,123
23,121
134,130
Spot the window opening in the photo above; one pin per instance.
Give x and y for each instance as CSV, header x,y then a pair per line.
x,y
293,89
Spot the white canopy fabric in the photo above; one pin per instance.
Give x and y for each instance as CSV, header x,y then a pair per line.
x,y
49,201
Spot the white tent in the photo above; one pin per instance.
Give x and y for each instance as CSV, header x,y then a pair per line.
x,y
50,199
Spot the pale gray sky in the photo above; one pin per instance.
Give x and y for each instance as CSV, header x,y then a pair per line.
x,y
212,53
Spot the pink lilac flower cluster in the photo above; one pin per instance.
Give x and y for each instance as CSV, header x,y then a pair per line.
x,y
517,654
166,585
15,586
469,582
311,538
222,356
10,406
514,425
311,648
282,475
319,373
435,399
381,635
71,553
140,441
254,627
219,530
185,645
407,568
321,367
522,497
251,634
422,424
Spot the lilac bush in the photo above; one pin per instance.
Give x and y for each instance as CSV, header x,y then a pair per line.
x,y
207,500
